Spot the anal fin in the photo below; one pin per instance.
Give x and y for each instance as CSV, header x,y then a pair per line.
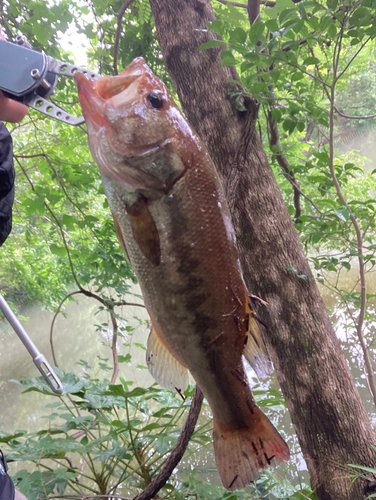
x,y
164,367
144,230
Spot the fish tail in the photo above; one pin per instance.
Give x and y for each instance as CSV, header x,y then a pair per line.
x,y
241,454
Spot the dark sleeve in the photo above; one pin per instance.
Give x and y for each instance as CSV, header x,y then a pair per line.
x,y
6,183
7,490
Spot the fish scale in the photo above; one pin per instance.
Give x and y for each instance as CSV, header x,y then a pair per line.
x,y
174,226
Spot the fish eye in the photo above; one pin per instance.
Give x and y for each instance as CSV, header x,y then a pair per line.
x,y
155,100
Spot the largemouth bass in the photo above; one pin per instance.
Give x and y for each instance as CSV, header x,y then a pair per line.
x,y
175,230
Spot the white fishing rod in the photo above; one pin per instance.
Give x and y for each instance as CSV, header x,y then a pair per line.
x,y
39,360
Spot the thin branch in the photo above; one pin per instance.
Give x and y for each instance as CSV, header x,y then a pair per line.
x,y
283,162
66,248
267,3
295,66
273,135
53,323
114,345
318,72
310,216
118,32
354,56
368,225
178,451
367,117
89,497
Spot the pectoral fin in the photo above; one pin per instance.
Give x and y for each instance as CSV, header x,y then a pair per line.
x,y
255,350
121,239
144,230
164,368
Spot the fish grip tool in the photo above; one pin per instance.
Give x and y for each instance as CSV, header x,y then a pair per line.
x,y
30,77
39,360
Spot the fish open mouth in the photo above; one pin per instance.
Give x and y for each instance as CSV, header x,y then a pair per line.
x,y
93,95
111,86
105,88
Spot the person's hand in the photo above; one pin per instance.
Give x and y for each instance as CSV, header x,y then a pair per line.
x,y
11,111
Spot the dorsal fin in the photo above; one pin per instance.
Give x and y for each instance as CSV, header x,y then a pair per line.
x,y
255,350
164,367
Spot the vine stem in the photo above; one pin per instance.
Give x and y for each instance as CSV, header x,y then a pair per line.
x,y
359,237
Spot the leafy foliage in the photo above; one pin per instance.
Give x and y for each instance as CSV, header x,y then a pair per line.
x,y
99,437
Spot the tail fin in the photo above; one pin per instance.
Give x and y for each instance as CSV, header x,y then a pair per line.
x,y
241,454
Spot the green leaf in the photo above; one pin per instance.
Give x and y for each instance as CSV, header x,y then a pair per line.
x,y
311,61
212,43
239,35
314,23
298,26
152,426
229,61
360,17
41,34
5,438
332,4
56,250
285,14
272,25
332,31
301,126
216,26
298,75
342,213
256,31
235,16
162,444
125,359
325,22
277,115
288,125
363,467
118,390
239,103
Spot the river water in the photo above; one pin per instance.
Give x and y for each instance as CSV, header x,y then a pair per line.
x,y
84,334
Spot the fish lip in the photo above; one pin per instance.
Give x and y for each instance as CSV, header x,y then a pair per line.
x,y
87,96
83,83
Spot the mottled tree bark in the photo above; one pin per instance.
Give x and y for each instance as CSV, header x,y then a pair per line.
x,y
330,421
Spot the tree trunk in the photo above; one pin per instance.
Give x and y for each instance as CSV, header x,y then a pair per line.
x,y
330,421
